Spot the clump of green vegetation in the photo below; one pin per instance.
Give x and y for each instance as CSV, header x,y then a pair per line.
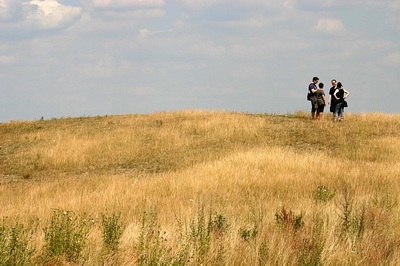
x,y
201,243
248,233
200,235
205,232
15,248
287,219
151,251
352,217
323,194
312,247
66,235
112,230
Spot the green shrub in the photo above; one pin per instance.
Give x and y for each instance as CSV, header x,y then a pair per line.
x,y
249,233
200,237
112,230
66,235
323,194
352,217
15,246
151,248
219,225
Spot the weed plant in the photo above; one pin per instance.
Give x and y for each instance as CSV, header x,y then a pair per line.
x,y
112,230
288,220
151,248
313,246
66,235
16,245
323,194
248,234
352,217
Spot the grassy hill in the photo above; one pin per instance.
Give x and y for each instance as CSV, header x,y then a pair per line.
x,y
201,187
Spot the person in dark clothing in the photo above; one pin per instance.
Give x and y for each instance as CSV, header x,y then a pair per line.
x,y
320,100
340,95
312,88
331,99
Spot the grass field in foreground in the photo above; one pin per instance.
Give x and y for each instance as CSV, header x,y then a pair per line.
x,y
201,187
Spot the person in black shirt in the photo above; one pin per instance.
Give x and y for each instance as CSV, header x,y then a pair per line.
x,y
331,99
340,95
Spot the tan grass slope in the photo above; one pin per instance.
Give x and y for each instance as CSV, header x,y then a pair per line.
x,y
288,190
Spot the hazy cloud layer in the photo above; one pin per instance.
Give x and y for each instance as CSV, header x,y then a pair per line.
x,y
96,57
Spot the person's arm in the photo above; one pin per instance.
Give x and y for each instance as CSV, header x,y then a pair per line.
x,y
323,98
334,94
312,88
346,93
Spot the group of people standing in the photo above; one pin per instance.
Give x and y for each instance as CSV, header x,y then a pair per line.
x,y
336,99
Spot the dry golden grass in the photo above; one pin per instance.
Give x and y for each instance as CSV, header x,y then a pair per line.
x,y
247,167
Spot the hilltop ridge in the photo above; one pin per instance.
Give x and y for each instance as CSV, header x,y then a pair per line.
x,y
169,141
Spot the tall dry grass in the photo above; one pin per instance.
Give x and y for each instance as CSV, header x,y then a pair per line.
x,y
251,169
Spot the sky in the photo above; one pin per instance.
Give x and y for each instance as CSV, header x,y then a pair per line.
x,y
73,58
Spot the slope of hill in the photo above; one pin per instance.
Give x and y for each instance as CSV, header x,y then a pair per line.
x,y
265,189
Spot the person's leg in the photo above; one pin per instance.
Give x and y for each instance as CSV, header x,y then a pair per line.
x,y
321,111
313,109
339,111
332,108
342,112
336,113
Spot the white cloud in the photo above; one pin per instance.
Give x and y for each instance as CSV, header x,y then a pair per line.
x,y
9,9
289,3
208,49
21,18
393,59
322,4
395,3
249,72
6,60
107,66
329,25
126,3
145,90
49,14
393,17
258,21
146,32
199,3
130,14
243,3
100,69
124,9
